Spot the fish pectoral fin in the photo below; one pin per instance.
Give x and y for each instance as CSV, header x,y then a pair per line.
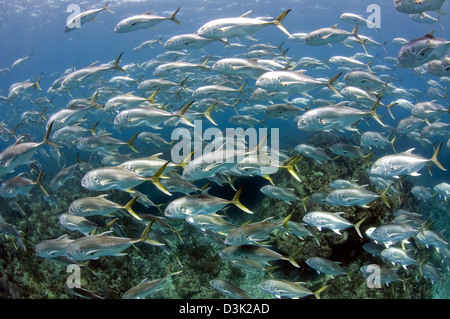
x,y
337,231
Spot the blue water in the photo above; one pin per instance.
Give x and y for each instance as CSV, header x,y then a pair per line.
x,y
38,27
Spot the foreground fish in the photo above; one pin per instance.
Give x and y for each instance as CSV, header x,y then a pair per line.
x,y
242,26
202,204
323,265
92,206
229,289
213,223
21,153
108,178
85,16
422,50
399,256
53,248
12,231
353,196
414,6
332,221
334,117
143,21
94,247
285,194
326,36
186,42
77,223
384,276
104,143
315,153
392,233
19,185
404,163
284,288
255,232
257,253
293,82
147,287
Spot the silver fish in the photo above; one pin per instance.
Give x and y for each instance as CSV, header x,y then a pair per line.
x,y
285,288
332,221
404,163
228,289
323,265
83,17
422,50
143,21
147,287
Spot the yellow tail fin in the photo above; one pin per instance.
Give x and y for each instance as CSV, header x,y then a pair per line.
x,y
235,201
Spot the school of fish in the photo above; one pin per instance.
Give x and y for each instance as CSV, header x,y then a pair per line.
x,y
115,112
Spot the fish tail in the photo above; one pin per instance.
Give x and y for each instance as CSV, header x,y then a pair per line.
x,y
269,179
366,158
286,219
181,113
182,85
151,98
107,8
178,231
94,102
92,129
204,64
241,89
389,109
186,160
37,83
172,17
235,201
38,182
47,140
130,142
207,114
293,262
155,179
304,200
144,235
319,291
355,34
383,196
330,84
278,23
290,167
116,64
357,225
434,159
128,208
392,143
373,112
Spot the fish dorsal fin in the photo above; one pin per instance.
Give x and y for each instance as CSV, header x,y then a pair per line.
x,y
205,191
430,35
93,64
102,196
334,26
409,152
156,156
339,213
106,233
148,12
248,12
62,237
